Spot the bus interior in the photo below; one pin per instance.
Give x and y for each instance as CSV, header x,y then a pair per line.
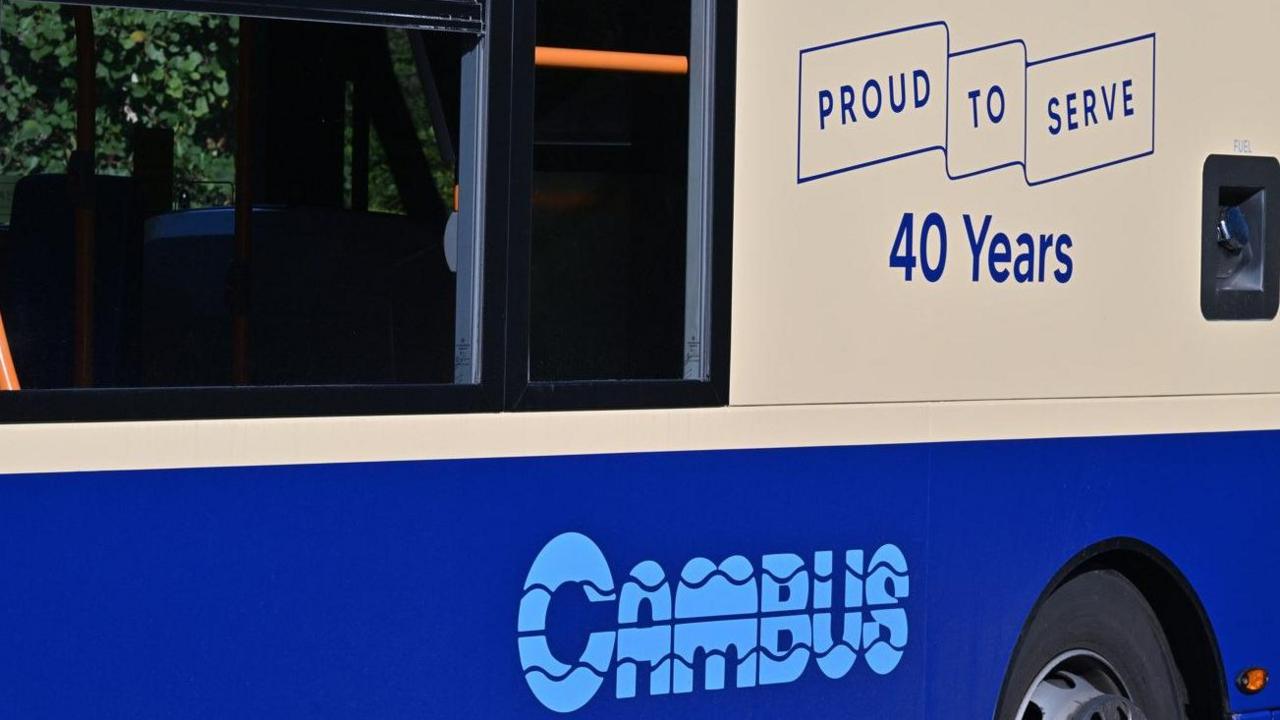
x,y
150,293
315,219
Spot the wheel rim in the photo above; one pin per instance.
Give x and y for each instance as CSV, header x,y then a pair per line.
x,y
1078,685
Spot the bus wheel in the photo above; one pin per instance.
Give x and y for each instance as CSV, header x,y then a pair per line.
x,y
1094,651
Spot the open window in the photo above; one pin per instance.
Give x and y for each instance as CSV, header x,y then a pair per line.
x,y
630,187
239,195
465,16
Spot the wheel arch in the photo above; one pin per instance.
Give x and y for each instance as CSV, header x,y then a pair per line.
x,y
1177,606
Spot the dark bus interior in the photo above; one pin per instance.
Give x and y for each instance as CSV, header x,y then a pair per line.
x,y
329,291
610,195
318,257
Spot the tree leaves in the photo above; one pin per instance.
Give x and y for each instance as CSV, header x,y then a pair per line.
x,y
155,69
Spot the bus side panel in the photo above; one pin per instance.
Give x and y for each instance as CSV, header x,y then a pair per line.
x,y
997,200
395,590
1007,516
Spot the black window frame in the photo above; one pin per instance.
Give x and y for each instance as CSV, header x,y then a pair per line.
x,y
227,402
504,385
447,15
523,394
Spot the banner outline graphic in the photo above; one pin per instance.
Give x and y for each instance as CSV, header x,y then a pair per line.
x,y
1028,64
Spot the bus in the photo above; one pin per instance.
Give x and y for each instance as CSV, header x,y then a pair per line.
x,y
677,359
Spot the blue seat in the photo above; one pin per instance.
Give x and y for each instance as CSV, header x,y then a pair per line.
x,y
335,297
37,280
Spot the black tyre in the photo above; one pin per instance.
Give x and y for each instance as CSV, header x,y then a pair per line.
x,y
1094,651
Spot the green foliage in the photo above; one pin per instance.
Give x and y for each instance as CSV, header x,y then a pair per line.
x,y
384,196
155,69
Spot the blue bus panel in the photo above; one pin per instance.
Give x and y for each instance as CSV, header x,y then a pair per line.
x,y
881,581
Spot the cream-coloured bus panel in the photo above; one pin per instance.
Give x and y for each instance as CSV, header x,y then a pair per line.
x,y
822,188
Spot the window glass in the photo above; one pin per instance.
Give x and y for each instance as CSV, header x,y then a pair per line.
x,y
611,281
357,150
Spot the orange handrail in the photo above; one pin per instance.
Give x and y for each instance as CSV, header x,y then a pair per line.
x,y
8,373
85,214
609,60
242,248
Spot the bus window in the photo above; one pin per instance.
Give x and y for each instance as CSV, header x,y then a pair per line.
x,y
619,243
257,202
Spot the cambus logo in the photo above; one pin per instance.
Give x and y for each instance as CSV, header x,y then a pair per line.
x,y
735,623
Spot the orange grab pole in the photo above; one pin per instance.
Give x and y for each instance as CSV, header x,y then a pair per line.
x,y
86,135
612,61
243,247
8,373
